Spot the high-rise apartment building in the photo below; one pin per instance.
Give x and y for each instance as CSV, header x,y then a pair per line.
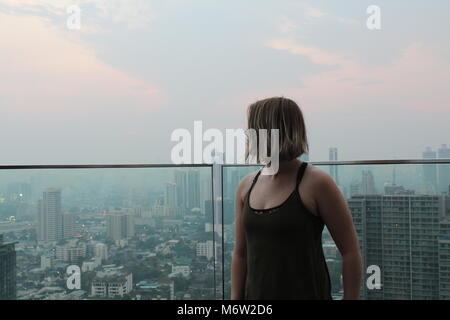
x,y
205,249
187,188
430,172
170,195
368,183
194,189
72,251
443,170
181,183
120,226
444,258
7,270
333,156
52,224
68,225
403,235
205,194
49,216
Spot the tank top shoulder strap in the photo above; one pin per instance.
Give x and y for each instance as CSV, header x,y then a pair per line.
x,y
256,178
254,181
300,173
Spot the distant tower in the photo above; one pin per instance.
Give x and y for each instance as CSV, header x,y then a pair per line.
x,y
50,227
205,193
368,183
355,188
170,196
7,270
231,178
181,182
430,172
68,226
444,169
194,189
333,156
120,226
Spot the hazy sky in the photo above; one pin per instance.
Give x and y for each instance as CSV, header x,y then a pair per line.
x,y
113,91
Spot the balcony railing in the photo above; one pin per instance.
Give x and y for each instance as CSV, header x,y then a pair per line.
x,y
167,231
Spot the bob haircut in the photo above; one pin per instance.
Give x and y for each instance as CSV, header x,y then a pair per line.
x,y
282,114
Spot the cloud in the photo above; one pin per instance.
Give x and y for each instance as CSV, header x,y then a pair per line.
x,y
132,14
47,71
419,79
314,54
286,25
312,14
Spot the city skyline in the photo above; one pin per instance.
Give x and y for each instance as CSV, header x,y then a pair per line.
x,y
119,226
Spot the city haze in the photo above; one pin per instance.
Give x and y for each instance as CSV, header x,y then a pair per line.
x,y
113,91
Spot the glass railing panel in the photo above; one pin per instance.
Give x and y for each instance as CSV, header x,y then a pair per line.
x,y
121,233
231,178
401,213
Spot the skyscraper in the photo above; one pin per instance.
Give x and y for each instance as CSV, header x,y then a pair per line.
x,y
444,257
181,182
50,226
333,156
205,193
68,226
170,195
430,172
7,270
194,189
443,169
368,183
402,235
187,188
231,181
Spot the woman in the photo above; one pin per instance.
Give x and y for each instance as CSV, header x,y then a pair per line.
x,y
280,218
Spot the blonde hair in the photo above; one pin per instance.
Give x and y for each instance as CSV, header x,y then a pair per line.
x,y
282,114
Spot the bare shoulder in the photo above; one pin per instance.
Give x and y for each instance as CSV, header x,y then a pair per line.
x,y
317,177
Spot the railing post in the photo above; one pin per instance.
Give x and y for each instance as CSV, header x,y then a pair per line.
x,y
217,195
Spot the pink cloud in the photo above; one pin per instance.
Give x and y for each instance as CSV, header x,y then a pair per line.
x,y
47,70
419,79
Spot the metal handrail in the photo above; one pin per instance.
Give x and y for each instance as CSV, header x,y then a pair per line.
x,y
171,165
366,162
102,166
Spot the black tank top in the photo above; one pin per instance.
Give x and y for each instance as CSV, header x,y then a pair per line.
x,y
285,258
